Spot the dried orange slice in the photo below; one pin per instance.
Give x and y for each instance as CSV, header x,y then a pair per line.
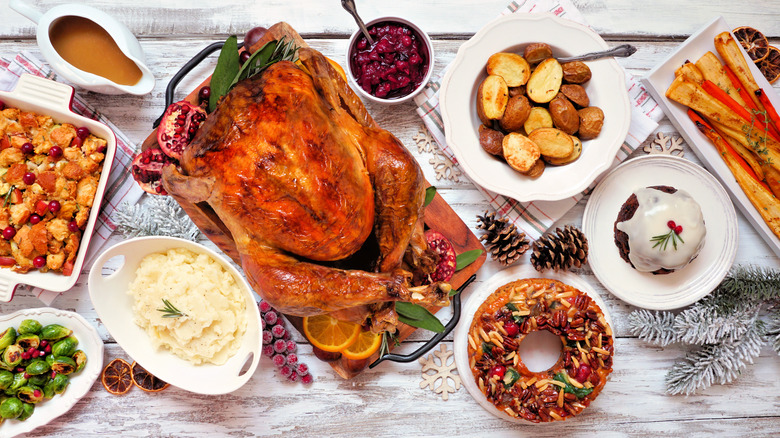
x,y
116,377
330,334
146,380
770,66
753,41
367,343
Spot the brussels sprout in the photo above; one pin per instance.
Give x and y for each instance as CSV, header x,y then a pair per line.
x,y
39,380
50,359
28,341
7,338
59,383
6,379
5,366
11,408
27,411
37,366
53,332
18,382
48,389
13,355
30,326
63,365
65,347
29,394
81,360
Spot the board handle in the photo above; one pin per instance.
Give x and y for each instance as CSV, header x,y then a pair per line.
x,y
44,90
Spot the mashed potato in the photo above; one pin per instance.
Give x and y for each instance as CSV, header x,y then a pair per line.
x,y
211,300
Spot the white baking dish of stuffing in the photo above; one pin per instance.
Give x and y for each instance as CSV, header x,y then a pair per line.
x,y
54,167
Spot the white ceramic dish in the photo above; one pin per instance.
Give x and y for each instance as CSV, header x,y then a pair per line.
x,y
458,106
53,99
115,308
408,97
659,79
477,297
80,383
686,285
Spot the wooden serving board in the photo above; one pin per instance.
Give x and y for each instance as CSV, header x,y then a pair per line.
x,y
438,216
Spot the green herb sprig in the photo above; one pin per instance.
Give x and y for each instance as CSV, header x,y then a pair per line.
x,y
662,240
170,311
8,196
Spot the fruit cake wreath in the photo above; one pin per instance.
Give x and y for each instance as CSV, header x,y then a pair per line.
x,y
528,305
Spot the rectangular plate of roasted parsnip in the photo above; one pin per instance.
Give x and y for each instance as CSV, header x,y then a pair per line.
x,y
727,112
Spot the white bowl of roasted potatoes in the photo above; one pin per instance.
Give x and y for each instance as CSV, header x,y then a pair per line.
x,y
523,124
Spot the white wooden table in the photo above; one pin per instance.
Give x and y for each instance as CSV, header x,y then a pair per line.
x,y
388,401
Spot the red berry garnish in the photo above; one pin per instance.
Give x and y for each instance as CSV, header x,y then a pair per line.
x,y
82,132
291,346
77,142
268,350
28,148
285,371
280,346
678,229
44,343
73,227
55,152
307,379
268,338
204,94
9,232
279,360
28,178
54,206
302,369
264,306
278,331
2,105
35,354
583,372
512,329
34,218
47,349
671,224
292,359
37,392
497,370
271,317
26,355
39,261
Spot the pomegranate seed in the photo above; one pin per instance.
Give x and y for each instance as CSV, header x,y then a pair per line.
x,y
47,349
19,369
9,232
678,229
497,370
28,148
53,374
512,329
82,132
37,393
204,94
55,152
34,219
44,343
54,206
35,354
25,355
73,227
29,178
39,261
671,225
26,376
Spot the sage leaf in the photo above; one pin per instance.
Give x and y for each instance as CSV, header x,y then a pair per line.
x,y
418,316
227,68
433,325
466,258
430,193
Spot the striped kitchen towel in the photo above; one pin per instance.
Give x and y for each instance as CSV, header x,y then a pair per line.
x,y
121,187
535,217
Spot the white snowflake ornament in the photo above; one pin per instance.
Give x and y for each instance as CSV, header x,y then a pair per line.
x,y
424,141
444,372
665,145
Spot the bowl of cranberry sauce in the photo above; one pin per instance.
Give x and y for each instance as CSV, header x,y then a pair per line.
x,y
396,67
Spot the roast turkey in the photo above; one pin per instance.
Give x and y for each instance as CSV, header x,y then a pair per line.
x,y
325,207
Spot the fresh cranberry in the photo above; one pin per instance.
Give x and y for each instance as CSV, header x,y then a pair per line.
x,y
512,329
73,227
583,372
497,370
678,229
28,148
77,142
204,94
55,152
2,105
34,218
82,132
28,178
54,206
671,225
39,261
9,232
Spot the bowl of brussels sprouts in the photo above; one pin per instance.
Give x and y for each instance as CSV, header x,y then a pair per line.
x,y
49,359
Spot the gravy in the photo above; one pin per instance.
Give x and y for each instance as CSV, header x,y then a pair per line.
x,y
87,46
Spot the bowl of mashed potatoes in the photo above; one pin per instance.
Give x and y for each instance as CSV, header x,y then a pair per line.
x,y
179,309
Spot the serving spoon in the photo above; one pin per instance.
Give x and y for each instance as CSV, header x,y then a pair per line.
x,y
621,51
349,6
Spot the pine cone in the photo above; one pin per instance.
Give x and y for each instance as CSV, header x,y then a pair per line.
x,y
503,240
565,248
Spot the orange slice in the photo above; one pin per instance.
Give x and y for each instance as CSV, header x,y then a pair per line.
x,y
770,66
753,41
367,343
116,377
330,334
146,380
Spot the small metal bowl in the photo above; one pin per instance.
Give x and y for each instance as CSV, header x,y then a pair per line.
x,y
352,47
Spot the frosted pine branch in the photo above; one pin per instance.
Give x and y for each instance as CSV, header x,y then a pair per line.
x,y
654,327
720,363
773,331
155,216
700,326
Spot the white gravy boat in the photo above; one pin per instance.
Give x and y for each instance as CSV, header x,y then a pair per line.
x,y
124,39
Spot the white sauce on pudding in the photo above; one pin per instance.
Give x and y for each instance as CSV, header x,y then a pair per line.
x,y
655,210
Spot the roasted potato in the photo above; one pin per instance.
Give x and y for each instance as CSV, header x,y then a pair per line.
x,y
576,72
517,91
538,117
510,66
576,94
591,121
569,159
517,110
535,53
520,152
564,115
545,81
536,170
492,97
552,142
490,140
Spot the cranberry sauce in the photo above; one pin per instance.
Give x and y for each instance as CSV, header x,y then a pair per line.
x,y
395,65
